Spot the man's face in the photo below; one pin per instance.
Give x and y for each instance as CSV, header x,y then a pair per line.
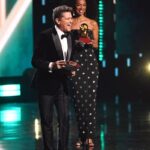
x,y
65,22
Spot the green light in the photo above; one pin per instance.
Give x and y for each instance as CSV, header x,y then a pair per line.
x,y
101,21
100,7
10,87
12,114
100,3
101,31
10,90
101,56
102,138
101,15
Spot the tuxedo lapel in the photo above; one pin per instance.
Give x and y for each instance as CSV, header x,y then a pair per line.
x,y
57,44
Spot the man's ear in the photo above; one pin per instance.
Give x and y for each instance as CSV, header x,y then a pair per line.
x,y
57,21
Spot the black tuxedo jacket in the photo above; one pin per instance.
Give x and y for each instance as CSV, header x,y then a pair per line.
x,y
49,50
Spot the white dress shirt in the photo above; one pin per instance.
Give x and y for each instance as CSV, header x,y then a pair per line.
x,y
64,45
63,42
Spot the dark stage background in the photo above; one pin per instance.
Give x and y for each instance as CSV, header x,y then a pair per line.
x,y
132,26
123,112
125,39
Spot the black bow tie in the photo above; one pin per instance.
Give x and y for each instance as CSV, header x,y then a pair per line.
x,y
65,35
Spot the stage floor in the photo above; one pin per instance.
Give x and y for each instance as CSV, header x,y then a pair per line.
x,y
123,123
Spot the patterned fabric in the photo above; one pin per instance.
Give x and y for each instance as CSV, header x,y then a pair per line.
x,y
84,87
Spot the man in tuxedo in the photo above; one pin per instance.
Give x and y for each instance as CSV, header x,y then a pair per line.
x,y
49,58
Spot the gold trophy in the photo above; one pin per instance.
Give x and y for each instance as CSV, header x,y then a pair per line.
x,y
84,38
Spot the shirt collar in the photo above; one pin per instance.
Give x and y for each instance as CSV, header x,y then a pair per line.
x,y
59,32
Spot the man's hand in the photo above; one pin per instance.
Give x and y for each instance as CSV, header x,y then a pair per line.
x,y
60,64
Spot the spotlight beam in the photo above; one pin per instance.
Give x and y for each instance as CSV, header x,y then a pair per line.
x,y
2,12
12,21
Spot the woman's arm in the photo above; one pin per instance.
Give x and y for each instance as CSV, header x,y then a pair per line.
x,y
95,34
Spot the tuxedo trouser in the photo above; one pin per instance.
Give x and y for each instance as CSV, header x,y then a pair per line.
x,y
46,107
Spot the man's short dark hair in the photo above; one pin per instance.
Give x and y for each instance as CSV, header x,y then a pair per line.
x,y
58,11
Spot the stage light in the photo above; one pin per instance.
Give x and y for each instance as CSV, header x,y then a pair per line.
x,y
101,29
140,55
116,56
104,63
10,115
117,116
10,90
102,137
114,1
43,19
148,67
116,71
43,2
37,129
128,61
2,12
12,21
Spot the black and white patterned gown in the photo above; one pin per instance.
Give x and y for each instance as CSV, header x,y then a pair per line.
x,y
84,87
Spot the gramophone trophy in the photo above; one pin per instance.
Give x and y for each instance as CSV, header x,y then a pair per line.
x,y
83,37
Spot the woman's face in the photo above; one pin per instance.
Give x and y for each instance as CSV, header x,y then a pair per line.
x,y
80,7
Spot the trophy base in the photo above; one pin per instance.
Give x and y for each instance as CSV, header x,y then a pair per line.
x,y
85,40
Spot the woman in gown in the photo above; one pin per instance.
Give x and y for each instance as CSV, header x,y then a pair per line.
x,y
85,82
